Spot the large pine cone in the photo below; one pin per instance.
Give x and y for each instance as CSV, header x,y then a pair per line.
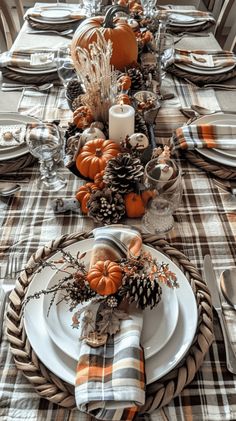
x,y
136,78
140,125
106,206
74,89
123,173
142,290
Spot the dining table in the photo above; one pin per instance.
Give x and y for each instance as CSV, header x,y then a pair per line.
x,y
204,223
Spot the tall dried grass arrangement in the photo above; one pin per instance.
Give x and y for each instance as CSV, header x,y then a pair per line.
x,y
99,78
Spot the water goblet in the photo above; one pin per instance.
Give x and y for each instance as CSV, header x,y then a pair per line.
x,y
148,7
163,179
92,7
45,143
65,66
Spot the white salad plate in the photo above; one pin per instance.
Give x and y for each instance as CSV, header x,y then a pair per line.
x,y
204,71
12,119
57,14
32,71
181,18
64,366
221,156
158,324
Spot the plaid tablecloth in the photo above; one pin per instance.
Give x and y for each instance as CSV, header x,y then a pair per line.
x,y
204,223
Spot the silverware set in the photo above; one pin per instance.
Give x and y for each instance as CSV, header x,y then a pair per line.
x,y
50,31
211,282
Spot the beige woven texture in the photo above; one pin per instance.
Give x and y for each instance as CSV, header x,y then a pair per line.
x,y
219,170
15,164
159,393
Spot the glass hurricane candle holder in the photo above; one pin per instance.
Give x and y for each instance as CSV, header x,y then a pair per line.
x,y
45,143
163,179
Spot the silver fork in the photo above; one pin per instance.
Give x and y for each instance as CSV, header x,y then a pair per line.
x,y
12,269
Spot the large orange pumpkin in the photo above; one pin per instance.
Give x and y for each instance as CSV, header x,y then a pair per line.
x,y
105,277
83,195
94,155
124,43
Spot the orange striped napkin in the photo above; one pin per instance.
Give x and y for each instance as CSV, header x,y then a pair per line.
x,y
205,136
205,59
110,380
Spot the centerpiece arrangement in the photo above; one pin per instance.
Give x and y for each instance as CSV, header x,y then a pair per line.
x,y
114,108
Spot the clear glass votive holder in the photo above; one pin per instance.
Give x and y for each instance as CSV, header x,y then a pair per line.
x,y
163,179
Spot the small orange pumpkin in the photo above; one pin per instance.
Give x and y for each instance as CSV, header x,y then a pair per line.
x,y
94,155
98,180
147,195
105,277
82,117
124,44
123,99
125,82
134,205
83,195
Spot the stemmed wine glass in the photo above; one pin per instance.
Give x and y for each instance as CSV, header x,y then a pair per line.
x,y
45,143
92,7
148,6
65,67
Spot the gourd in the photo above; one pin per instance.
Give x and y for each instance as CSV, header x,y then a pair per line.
x,y
105,277
94,155
124,43
82,117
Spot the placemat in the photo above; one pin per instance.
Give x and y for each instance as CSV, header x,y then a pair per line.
x,y
159,393
14,164
36,79
197,28
201,79
56,26
219,170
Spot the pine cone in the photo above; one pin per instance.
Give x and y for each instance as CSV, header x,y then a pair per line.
x,y
140,125
142,290
136,78
80,292
76,103
74,89
106,206
123,173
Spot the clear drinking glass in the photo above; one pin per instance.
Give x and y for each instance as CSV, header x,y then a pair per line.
x,y
65,66
45,143
163,179
148,7
92,7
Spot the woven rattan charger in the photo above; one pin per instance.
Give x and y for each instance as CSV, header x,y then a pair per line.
x,y
51,387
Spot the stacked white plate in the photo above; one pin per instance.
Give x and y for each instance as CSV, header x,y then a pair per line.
x,y
8,122
168,329
55,14
221,156
181,20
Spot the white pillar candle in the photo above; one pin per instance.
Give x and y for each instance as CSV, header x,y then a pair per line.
x,y
121,122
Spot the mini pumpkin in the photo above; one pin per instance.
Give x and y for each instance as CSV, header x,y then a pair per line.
x,y
105,277
82,117
98,180
94,155
123,99
124,43
83,195
134,205
125,82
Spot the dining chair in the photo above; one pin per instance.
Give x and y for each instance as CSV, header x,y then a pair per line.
x,y
225,28
8,24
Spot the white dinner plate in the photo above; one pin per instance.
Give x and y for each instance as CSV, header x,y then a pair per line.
x,y
179,18
156,366
32,71
56,13
205,71
189,24
221,156
14,119
158,324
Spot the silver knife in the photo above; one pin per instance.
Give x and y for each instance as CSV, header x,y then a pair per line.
x,y
213,288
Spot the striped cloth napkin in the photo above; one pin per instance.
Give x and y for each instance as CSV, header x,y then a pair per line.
x,y
29,58
205,60
110,379
205,136
198,14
